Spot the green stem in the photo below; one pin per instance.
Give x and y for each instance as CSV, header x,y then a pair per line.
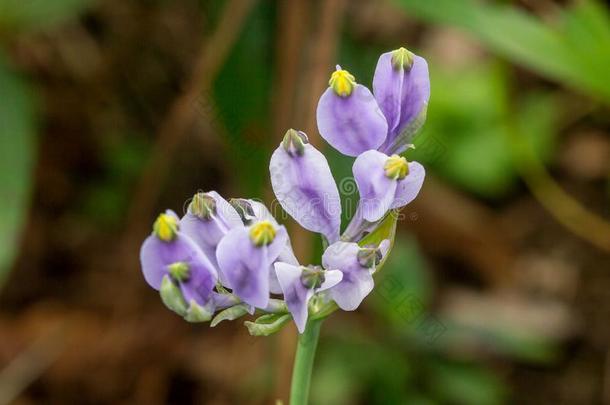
x,y
303,363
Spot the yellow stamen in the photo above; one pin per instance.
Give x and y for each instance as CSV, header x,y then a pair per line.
x,y
402,58
165,227
262,233
342,82
396,167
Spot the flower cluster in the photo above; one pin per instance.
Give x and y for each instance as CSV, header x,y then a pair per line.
x,y
231,258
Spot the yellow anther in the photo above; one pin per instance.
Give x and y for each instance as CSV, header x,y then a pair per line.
x,y
262,233
342,82
165,227
396,167
402,58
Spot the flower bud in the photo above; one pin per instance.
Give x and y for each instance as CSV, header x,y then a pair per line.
x,y
312,276
172,296
197,313
402,59
369,257
294,142
179,271
396,167
203,205
165,227
262,233
342,82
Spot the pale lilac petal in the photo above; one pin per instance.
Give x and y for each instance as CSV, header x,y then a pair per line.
x,y
376,189
296,295
357,280
409,187
306,189
246,266
401,93
331,279
351,124
156,255
207,233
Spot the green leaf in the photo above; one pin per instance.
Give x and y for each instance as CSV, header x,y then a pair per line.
x,y
19,15
17,147
461,383
267,324
575,51
196,313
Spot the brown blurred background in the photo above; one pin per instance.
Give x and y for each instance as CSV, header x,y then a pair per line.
x,y
498,288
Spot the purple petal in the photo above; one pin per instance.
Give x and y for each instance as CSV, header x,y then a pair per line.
x,y
357,280
409,187
351,124
306,189
207,233
401,93
376,189
331,279
296,295
261,213
156,255
246,266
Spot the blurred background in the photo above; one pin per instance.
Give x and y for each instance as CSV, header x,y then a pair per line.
x,y
498,288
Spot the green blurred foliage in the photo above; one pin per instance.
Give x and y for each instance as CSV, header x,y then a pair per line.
x,y
242,95
17,148
575,49
466,137
396,360
32,15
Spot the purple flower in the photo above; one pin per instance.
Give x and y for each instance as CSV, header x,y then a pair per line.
x,y
253,211
402,89
348,116
299,284
385,182
357,265
171,257
245,255
353,121
208,219
304,185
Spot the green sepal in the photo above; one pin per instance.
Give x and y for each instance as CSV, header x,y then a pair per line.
x,y
197,313
267,324
385,230
408,133
230,314
172,296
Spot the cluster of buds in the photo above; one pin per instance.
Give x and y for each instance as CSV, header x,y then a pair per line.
x,y
225,259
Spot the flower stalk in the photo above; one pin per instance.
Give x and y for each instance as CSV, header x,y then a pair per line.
x,y
303,363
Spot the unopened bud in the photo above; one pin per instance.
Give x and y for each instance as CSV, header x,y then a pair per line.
x,y
203,205
312,276
294,142
402,59
262,233
342,82
166,227
172,296
197,313
369,257
179,271
396,167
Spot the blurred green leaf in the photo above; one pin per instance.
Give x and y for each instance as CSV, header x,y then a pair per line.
x,y
575,51
17,148
19,15
471,118
460,383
